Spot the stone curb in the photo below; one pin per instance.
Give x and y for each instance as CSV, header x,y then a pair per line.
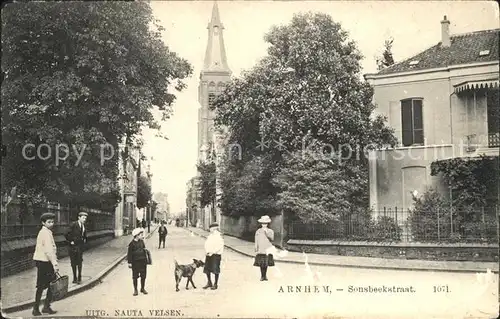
x,y
356,266
76,289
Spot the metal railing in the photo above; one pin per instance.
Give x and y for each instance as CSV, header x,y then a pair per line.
x,y
29,230
479,225
23,221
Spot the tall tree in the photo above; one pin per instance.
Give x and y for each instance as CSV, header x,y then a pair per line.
x,y
206,183
144,194
82,74
307,92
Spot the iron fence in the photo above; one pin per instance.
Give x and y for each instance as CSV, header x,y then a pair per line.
x,y
23,221
466,225
29,230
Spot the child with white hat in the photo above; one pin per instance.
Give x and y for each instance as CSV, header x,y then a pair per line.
x,y
263,242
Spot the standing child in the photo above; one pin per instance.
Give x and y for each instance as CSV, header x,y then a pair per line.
x,y
162,232
77,237
263,242
45,257
137,260
214,246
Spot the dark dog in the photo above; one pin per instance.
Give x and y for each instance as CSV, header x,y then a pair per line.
x,y
186,271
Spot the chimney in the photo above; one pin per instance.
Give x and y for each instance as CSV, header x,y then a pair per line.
x,y
445,33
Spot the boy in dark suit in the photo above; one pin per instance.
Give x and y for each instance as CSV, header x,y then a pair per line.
x,y
77,237
137,260
162,231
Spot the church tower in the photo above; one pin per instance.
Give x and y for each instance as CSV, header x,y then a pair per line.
x,y
213,78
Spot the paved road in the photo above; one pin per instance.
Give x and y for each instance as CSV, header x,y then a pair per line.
x,y
241,294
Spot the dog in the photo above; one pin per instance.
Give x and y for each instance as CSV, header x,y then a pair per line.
x,y
186,271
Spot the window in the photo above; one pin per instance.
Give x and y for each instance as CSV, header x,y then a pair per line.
x,y
412,122
211,98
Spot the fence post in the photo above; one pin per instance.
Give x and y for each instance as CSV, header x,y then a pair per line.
x,y
397,224
349,235
451,221
409,233
451,211
439,226
483,229
497,213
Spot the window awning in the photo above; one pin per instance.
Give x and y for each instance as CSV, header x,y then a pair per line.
x,y
474,85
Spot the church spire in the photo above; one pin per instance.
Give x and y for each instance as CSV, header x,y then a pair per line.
x,y
215,15
215,55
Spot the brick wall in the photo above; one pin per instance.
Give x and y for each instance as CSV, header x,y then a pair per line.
x,y
17,255
449,252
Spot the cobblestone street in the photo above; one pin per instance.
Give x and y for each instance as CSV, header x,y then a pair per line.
x,y
241,294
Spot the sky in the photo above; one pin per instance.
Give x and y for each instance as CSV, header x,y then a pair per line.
x,y
414,26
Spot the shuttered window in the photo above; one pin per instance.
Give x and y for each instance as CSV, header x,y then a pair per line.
x,y
412,122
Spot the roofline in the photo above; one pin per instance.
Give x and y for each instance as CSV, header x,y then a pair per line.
x,y
474,32
422,51
433,70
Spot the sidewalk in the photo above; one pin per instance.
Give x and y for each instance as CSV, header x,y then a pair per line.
x,y
247,248
18,291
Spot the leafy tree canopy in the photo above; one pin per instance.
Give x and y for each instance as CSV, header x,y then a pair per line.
x,y
320,189
144,193
248,191
473,182
80,74
308,91
206,183
309,86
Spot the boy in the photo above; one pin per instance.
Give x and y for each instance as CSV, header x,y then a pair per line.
x,y
77,237
162,232
214,246
137,261
45,257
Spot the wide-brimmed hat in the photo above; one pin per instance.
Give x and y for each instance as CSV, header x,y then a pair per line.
x,y
137,231
264,220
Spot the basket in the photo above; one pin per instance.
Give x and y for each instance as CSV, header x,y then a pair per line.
x,y
59,287
149,260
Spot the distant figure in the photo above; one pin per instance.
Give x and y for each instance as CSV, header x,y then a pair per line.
x,y
77,237
162,232
45,257
263,242
143,224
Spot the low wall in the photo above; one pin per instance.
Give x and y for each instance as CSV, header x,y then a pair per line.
x,y
244,227
17,255
437,252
